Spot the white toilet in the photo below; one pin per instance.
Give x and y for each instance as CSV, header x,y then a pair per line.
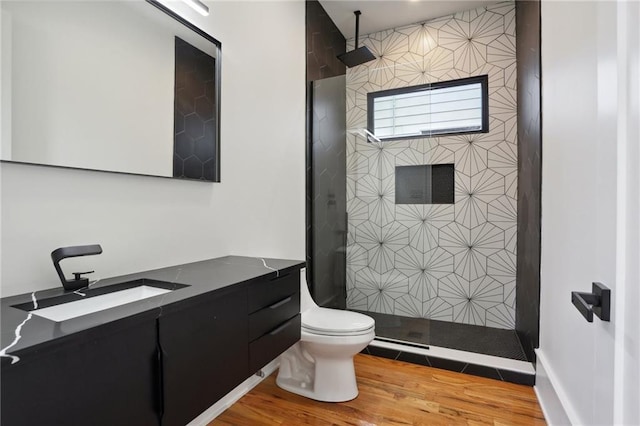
x,y
320,365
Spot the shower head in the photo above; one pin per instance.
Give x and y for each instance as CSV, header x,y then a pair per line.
x,y
359,55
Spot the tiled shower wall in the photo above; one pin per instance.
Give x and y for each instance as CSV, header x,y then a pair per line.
x,y
454,262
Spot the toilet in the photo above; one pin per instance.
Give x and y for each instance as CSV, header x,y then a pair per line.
x,y
320,365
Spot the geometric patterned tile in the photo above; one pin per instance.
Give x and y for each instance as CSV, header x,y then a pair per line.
x,y
409,156
408,305
356,299
511,184
501,266
368,188
358,211
381,208
438,154
511,239
356,257
503,157
487,185
381,289
502,212
468,40
471,299
502,51
501,316
423,222
381,243
451,262
502,104
470,210
510,294
454,238
437,309
487,239
423,270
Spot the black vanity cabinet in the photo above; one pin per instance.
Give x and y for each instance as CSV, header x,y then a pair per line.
x,y
204,353
274,320
162,365
100,378
211,346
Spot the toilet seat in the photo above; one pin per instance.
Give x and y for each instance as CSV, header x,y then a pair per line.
x,y
335,322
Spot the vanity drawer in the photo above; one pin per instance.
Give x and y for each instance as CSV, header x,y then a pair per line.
x,y
272,344
267,293
268,318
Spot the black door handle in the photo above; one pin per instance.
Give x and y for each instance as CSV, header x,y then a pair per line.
x,y
597,302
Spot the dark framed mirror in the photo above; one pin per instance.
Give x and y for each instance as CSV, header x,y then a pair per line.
x,y
117,86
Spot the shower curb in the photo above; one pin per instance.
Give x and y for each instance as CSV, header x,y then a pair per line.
x,y
416,355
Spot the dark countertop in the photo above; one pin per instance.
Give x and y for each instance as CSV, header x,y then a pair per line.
x,y
22,333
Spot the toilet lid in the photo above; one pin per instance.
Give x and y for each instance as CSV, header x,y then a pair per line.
x,y
335,321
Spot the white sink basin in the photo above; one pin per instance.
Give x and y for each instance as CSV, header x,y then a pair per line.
x,y
78,308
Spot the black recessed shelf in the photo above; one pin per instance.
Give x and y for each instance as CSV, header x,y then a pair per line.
x,y
425,184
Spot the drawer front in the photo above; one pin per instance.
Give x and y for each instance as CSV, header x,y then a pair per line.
x,y
266,293
268,347
268,318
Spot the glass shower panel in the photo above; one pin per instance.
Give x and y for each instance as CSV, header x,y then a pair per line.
x,y
328,198
394,260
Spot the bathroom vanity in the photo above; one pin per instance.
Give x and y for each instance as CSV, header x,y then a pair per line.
x,y
161,360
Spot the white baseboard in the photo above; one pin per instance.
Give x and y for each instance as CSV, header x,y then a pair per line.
x,y
555,404
229,399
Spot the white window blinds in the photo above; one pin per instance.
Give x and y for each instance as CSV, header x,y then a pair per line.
x,y
427,111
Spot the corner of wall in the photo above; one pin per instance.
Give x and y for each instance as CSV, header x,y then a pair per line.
x,y
529,174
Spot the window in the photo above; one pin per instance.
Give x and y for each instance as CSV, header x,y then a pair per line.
x,y
448,107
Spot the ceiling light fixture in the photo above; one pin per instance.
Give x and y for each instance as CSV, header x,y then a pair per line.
x,y
198,6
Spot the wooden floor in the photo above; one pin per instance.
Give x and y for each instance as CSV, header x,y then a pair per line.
x,y
394,393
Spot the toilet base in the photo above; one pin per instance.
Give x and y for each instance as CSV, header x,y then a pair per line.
x,y
327,376
294,387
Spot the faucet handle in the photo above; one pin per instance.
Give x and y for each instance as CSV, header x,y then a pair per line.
x,y
78,275
74,251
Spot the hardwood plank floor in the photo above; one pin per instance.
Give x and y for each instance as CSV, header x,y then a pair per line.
x,y
394,393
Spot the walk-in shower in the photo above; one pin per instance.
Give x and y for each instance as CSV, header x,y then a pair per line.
x,y
436,265
431,188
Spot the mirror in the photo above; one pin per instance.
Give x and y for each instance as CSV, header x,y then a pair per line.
x,y
118,86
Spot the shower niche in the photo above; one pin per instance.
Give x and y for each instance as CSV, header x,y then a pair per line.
x,y
425,184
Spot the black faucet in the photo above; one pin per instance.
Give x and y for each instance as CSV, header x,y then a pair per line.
x,y
64,252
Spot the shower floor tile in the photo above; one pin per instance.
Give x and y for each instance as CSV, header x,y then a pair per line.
x,y
464,337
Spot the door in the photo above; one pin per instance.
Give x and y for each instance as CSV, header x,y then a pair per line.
x,y
589,211
328,192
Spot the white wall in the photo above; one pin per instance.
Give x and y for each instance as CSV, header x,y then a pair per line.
x,y
588,371
569,111
144,223
5,85
627,407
